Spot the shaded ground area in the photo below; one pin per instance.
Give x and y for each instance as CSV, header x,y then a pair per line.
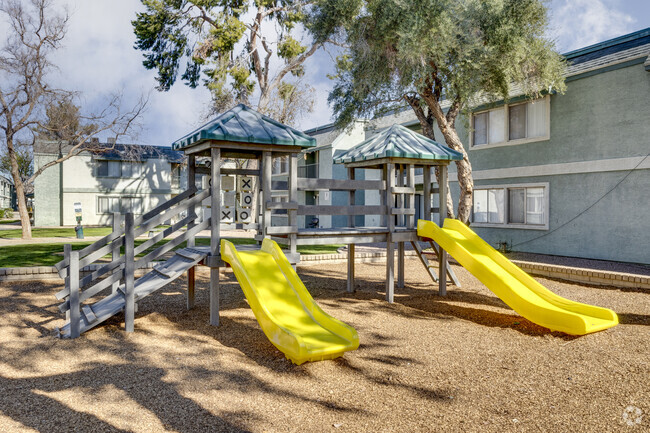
x,y
462,363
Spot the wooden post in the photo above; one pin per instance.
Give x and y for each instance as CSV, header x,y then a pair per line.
x,y
215,233
261,206
117,217
383,198
266,190
129,273
401,203
191,180
293,198
426,179
67,248
351,223
390,246
73,278
410,182
191,272
442,257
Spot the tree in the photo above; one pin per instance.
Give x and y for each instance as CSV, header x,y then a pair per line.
x,y
226,40
25,160
440,58
28,103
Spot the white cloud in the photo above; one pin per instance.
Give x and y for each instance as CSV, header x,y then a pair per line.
x,y
579,23
98,59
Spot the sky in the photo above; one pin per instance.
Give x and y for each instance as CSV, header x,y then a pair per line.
x,y
98,59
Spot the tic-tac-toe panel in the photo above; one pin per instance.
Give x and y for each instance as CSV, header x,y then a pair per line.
x,y
245,183
246,199
244,215
229,198
227,183
227,215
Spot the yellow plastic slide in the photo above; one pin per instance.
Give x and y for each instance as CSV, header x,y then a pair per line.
x,y
514,286
285,310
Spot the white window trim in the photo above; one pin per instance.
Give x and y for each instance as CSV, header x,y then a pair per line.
x,y
119,197
505,224
121,176
506,124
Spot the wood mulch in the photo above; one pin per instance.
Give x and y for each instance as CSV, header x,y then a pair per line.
x,y
464,363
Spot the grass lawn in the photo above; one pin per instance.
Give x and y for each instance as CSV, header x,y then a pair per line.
x,y
9,221
50,254
55,232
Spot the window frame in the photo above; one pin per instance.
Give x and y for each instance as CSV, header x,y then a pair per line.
x,y
506,125
506,204
98,198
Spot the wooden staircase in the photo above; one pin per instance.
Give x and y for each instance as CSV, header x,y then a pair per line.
x,y
118,275
430,267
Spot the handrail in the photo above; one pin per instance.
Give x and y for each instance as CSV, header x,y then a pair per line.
x,y
166,205
111,273
156,220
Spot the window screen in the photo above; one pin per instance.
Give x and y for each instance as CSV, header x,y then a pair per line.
x,y
480,128
517,121
516,197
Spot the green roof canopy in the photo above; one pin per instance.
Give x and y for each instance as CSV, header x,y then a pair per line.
x,y
245,125
398,142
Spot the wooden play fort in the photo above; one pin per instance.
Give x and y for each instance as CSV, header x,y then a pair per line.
x,y
288,315
243,134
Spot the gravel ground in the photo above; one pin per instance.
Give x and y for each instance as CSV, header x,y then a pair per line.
x,y
464,363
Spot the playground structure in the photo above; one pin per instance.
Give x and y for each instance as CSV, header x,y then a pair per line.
x,y
269,282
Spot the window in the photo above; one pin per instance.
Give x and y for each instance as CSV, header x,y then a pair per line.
x,y
280,199
517,206
119,169
527,121
280,165
131,169
119,204
488,206
176,176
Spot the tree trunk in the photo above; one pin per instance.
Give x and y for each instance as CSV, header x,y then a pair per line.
x,y
463,167
20,191
464,171
426,122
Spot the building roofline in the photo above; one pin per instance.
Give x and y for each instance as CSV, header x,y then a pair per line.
x,y
607,44
568,56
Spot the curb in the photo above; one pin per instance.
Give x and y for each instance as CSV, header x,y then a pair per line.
x,y
28,273
593,277
565,273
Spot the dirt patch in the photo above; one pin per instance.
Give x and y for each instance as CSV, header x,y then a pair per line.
x,y
461,363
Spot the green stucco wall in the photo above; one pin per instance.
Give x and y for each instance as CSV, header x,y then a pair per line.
x,y
600,117
610,226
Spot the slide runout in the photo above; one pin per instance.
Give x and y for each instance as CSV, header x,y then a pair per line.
x,y
527,280
285,310
524,295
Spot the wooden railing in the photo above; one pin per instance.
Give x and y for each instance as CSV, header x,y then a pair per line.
x,y
122,266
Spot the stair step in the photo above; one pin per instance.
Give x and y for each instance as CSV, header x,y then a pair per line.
x,y
88,312
161,269
189,254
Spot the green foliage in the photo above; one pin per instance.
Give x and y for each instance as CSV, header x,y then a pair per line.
x,y
459,50
289,48
24,158
64,123
7,213
213,40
